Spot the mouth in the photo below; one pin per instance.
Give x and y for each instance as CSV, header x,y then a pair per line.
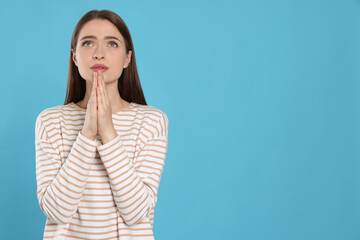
x,y
99,67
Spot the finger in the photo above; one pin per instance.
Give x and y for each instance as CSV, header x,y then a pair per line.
x,y
93,90
104,88
97,79
94,81
94,77
90,99
101,77
93,99
99,96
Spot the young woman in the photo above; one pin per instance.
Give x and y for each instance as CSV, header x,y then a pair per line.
x,y
100,156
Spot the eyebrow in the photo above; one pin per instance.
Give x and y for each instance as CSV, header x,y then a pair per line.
x,y
106,37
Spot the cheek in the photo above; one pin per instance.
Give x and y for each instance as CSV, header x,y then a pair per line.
x,y
117,68
118,62
117,55
83,56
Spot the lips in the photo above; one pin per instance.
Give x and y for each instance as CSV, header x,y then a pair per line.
x,y
99,67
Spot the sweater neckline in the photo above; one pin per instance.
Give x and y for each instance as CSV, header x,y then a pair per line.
x,y
114,112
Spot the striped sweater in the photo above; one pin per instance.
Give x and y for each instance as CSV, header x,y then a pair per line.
x,y
89,190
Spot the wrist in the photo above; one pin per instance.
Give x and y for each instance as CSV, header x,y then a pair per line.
x,y
87,135
109,136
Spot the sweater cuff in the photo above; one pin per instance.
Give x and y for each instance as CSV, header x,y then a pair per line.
x,y
93,143
108,144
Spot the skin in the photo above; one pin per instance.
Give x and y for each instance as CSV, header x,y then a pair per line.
x,y
102,97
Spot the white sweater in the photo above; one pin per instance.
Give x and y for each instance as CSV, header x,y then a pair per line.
x,y
92,191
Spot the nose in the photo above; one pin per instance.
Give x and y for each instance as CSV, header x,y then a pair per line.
x,y
98,53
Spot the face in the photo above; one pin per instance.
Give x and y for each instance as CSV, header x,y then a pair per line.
x,y
104,46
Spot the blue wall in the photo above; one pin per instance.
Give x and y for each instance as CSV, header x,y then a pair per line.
x,y
263,105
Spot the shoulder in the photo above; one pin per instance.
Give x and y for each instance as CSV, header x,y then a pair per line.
x,y
47,121
52,114
151,111
157,117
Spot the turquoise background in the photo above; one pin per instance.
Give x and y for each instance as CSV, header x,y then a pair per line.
x,y
263,105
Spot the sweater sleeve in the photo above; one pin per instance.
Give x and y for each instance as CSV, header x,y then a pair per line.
x,y
60,185
135,185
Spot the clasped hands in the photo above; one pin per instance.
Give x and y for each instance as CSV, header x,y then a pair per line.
x,y
98,119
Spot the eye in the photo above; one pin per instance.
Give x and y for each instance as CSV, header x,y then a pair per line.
x,y
113,43
85,43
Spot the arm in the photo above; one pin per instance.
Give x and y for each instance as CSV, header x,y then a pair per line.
x,y
135,186
60,186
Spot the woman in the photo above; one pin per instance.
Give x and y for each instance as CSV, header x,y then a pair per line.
x,y
100,156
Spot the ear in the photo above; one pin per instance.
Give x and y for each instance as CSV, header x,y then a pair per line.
x,y
128,59
73,56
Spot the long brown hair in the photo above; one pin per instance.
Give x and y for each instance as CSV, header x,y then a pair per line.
x,y
128,84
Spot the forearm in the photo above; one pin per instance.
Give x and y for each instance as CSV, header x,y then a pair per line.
x,y
60,190
133,198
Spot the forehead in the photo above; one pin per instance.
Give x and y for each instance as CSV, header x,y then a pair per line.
x,y
99,28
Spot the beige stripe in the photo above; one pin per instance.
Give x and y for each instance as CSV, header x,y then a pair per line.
x,y
46,159
118,169
94,220
86,156
99,227
134,201
93,233
115,163
79,166
97,195
152,173
141,162
94,188
55,215
136,216
109,238
64,194
97,201
47,170
74,170
51,176
88,207
98,170
98,214
126,193
98,176
86,144
100,220
118,176
72,183
149,168
56,117
61,184
44,165
97,182
116,156
60,206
